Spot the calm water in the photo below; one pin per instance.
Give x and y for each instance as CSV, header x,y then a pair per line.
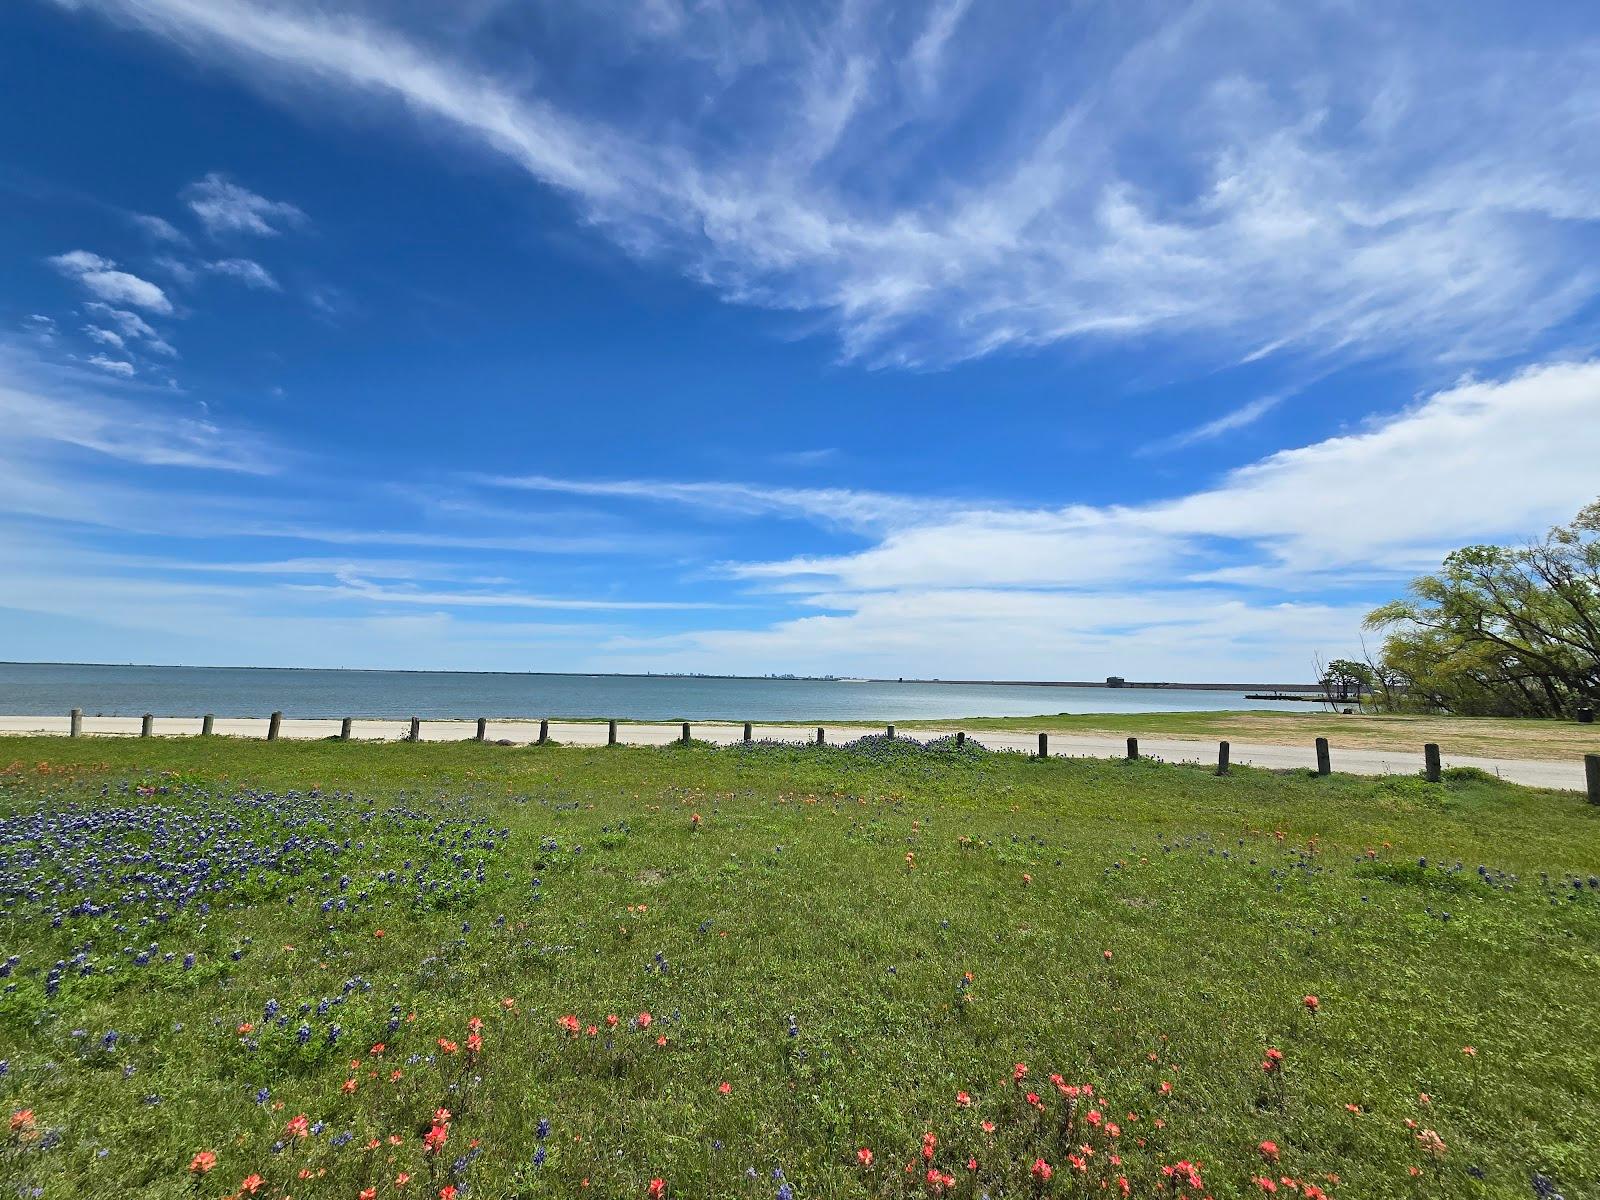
x,y
30,689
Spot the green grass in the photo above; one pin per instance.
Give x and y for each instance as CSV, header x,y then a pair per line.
x,y
1224,902
1490,737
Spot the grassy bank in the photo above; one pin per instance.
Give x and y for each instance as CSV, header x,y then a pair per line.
x,y
309,960
1487,737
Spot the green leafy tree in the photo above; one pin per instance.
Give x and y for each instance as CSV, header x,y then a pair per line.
x,y
1344,679
1500,630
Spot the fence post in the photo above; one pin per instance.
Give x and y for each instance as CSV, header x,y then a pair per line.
x,y
1133,749
1044,745
1430,762
483,729
344,729
961,738
685,738
747,731
75,723
274,726
544,731
147,727
611,733
1222,758
822,738
1591,773
414,734
891,732
208,725
1324,761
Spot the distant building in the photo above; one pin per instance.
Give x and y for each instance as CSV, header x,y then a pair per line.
x,y
1115,681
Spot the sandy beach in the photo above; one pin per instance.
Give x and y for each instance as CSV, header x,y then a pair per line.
x,y
1567,776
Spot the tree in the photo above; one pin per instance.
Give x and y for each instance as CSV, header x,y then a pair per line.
x,y
1344,680
1501,630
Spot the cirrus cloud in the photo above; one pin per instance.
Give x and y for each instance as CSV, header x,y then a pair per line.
x,y
101,277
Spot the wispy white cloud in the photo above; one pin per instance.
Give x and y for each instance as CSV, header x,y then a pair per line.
x,y
101,277
113,366
1237,418
131,326
355,588
1475,461
1408,187
158,229
226,208
845,507
806,458
106,337
177,268
1207,580
246,271
44,405
1189,633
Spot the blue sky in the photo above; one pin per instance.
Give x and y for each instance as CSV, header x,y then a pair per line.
x,y
950,339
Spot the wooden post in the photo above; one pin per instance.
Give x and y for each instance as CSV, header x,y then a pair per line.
x,y
747,731
208,725
1324,761
274,726
611,734
822,738
344,729
1044,745
1133,749
414,734
891,733
685,738
147,727
961,738
1430,762
544,731
1591,775
75,723
1222,758
483,729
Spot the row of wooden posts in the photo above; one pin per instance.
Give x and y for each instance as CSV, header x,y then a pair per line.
x,y
1431,769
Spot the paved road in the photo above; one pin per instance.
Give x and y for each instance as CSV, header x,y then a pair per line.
x,y
1567,776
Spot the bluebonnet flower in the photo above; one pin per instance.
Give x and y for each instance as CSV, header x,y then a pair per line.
x,y
542,1130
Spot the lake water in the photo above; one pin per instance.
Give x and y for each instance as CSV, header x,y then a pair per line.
x,y
36,689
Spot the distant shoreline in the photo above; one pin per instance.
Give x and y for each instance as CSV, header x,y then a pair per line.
x,y
1129,685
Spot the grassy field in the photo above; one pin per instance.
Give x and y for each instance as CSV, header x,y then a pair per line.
x,y
1487,737
325,970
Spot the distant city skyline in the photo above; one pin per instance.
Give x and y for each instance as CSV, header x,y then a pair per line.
x,y
935,341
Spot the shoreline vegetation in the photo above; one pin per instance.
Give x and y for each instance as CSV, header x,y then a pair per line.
x,y
1484,737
